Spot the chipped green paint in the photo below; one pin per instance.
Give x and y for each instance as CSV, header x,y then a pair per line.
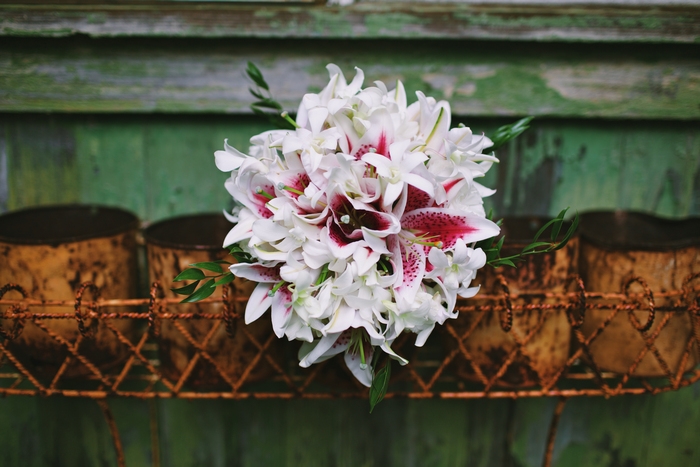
x,y
389,24
331,23
648,166
495,79
96,18
160,166
647,21
544,22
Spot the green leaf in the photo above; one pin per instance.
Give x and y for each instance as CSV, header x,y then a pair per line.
x,y
509,132
256,76
534,245
380,384
556,228
238,253
204,291
503,262
544,228
186,290
209,266
256,94
227,279
190,274
266,103
259,112
499,245
569,234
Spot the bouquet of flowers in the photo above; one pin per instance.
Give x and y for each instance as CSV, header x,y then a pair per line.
x,y
361,221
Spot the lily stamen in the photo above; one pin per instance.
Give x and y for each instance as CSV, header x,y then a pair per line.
x,y
282,186
285,115
260,191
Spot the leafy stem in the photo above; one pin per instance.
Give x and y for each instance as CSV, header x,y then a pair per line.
x,y
266,106
492,247
508,132
380,384
195,273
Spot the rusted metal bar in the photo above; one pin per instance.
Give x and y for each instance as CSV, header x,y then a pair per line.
x,y
551,436
138,375
114,431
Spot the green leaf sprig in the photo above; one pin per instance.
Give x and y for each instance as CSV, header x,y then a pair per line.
x,y
195,272
380,384
508,132
266,106
492,247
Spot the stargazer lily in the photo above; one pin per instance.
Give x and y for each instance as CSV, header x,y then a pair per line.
x,y
360,223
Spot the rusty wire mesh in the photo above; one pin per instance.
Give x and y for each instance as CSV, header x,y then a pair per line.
x,y
447,367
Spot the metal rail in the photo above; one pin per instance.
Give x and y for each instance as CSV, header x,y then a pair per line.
x,y
142,330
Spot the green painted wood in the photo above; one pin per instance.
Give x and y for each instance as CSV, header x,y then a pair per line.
x,y
556,21
161,166
156,168
180,160
133,419
639,431
41,164
111,161
54,431
585,165
481,79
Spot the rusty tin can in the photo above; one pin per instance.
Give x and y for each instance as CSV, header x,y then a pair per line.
x,y
618,246
50,251
172,245
539,339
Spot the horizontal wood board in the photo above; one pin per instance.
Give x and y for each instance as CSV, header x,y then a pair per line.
x,y
639,431
486,79
160,166
516,21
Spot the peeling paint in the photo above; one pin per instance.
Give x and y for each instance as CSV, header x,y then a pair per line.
x,y
631,23
206,76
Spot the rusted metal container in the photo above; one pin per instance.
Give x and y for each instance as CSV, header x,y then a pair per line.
x,y
173,245
618,246
49,251
540,338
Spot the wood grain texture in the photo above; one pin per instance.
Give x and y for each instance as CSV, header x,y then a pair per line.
x,y
639,431
160,166
485,79
645,166
540,22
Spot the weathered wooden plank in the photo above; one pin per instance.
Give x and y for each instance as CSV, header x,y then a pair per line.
x,y
110,158
133,419
338,433
541,22
584,165
179,163
84,75
641,431
644,431
160,166
41,164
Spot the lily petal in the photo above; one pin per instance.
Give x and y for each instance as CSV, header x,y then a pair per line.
x,y
447,226
258,303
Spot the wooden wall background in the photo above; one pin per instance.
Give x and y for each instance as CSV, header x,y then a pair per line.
x,y
124,103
